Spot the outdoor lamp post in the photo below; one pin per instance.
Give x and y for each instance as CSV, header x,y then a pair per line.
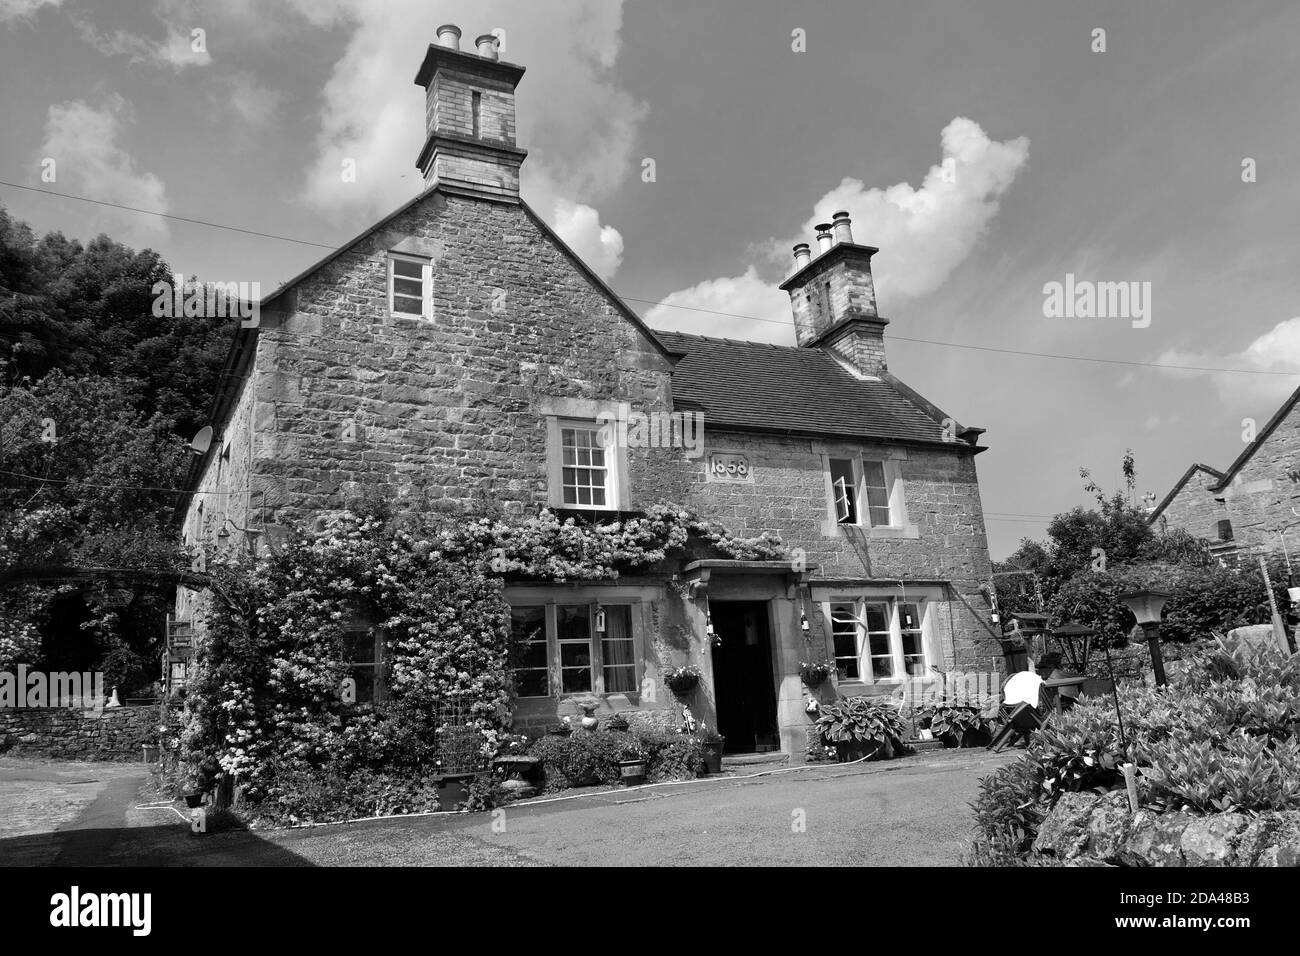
x,y
1146,606
1074,638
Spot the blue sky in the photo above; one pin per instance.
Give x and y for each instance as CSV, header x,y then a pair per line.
x,y
1115,166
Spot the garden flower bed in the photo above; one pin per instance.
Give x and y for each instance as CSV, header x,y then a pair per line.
x,y
1218,742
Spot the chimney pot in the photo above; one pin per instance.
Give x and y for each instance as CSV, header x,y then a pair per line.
x,y
802,256
843,229
449,36
487,46
824,240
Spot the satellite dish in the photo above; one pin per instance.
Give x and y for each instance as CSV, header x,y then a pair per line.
x,y
202,441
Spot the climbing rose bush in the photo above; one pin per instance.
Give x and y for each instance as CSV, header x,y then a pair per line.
x,y
264,703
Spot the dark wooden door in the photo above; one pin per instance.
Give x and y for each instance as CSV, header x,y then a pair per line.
x,y
742,675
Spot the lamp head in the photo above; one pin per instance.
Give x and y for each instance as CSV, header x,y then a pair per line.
x,y
1145,604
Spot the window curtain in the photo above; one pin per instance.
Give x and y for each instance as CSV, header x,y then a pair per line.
x,y
617,650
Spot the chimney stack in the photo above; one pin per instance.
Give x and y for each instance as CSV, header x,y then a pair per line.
x,y
449,36
824,240
469,144
833,298
843,229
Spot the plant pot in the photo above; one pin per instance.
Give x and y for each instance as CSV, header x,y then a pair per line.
x,y
194,800
453,789
850,750
632,772
713,755
590,722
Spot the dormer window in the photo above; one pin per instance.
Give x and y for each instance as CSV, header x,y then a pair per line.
x,y
410,286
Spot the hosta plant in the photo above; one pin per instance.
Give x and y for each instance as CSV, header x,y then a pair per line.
x,y
875,724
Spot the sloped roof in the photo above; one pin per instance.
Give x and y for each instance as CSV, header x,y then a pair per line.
x,y
753,386
1173,493
1248,452
1224,478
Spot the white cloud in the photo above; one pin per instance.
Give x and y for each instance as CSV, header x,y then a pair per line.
x,y
740,297
923,234
249,100
577,124
12,11
1277,350
83,142
600,247
175,50
926,233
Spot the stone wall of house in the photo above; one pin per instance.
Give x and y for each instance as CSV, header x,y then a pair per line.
x,y
223,492
944,540
450,411
1261,495
1084,828
116,733
1194,509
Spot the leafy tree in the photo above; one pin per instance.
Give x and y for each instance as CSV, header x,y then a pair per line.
x,y
88,310
86,480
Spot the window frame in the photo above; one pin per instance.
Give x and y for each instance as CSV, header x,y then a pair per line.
x,y
866,661
614,467
426,285
892,476
595,643
545,642
378,689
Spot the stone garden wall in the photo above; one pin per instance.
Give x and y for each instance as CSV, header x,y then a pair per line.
x,y
1086,829
117,733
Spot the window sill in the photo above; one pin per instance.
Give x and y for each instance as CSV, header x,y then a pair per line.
x,y
833,529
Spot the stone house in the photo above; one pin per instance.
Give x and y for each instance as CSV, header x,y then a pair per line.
x,y
458,352
1248,508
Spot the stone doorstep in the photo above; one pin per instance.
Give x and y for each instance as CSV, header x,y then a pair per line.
x,y
730,761
921,746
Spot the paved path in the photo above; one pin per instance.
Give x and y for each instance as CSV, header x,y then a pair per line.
x,y
65,812
909,811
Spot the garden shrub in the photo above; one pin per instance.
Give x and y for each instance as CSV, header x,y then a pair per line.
x,y
1010,805
589,758
816,749
958,725
1204,599
671,756
1223,737
580,759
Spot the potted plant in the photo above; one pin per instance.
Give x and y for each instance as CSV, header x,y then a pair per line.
x,y
713,743
814,673
617,722
631,765
682,680
861,728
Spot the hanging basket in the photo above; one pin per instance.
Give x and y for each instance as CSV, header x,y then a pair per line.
x,y
682,680
814,673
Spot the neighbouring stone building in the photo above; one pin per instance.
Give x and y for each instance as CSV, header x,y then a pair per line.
x,y
459,352
1249,507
